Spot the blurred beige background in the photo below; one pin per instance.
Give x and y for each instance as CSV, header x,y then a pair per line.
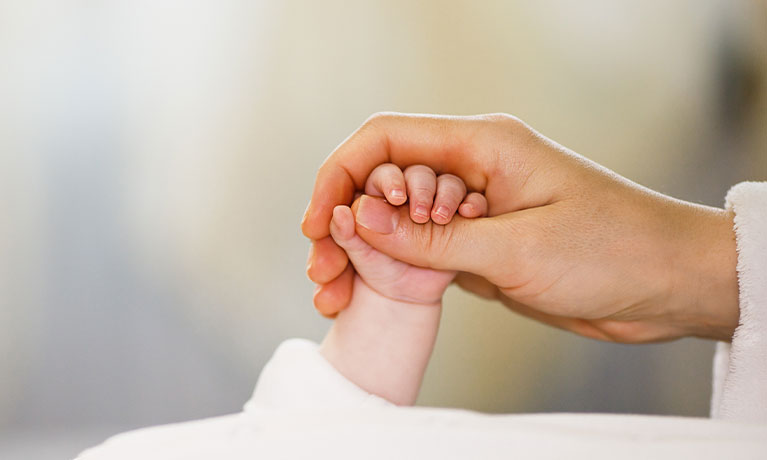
x,y
156,159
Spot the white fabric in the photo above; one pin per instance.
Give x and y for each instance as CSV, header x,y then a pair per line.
x,y
295,379
740,368
303,408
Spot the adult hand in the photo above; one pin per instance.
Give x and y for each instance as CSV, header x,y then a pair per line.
x,y
566,241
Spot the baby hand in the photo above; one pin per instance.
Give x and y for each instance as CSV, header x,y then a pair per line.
x,y
430,197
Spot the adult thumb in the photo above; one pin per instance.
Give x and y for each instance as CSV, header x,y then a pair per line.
x,y
483,246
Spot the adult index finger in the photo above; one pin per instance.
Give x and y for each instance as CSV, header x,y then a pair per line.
x,y
440,142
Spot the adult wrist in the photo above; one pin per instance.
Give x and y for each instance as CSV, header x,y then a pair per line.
x,y
712,310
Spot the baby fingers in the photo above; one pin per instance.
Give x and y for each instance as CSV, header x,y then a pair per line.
x,y
421,186
474,205
430,196
450,193
388,181
342,231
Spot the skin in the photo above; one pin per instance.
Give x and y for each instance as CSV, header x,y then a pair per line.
x,y
566,241
383,340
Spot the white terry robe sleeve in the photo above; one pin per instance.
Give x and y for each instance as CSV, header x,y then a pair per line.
x,y
740,368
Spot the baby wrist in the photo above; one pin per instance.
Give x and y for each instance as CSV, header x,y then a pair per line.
x,y
383,345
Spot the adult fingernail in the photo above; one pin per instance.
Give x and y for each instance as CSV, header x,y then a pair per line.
x,y
377,216
421,211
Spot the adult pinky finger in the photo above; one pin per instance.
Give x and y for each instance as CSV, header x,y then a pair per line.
x,y
474,205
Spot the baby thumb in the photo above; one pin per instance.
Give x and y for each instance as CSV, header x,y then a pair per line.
x,y
472,245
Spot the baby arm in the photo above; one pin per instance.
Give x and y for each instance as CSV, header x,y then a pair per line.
x,y
382,342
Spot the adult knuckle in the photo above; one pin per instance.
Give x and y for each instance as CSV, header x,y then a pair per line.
x,y
503,119
378,118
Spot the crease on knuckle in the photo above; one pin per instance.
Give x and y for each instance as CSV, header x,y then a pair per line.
x,y
421,192
435,244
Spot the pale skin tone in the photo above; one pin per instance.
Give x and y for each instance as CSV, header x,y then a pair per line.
x,y
566,241
383,340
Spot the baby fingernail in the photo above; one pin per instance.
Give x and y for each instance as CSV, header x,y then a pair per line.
x,y
442,211
396,193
